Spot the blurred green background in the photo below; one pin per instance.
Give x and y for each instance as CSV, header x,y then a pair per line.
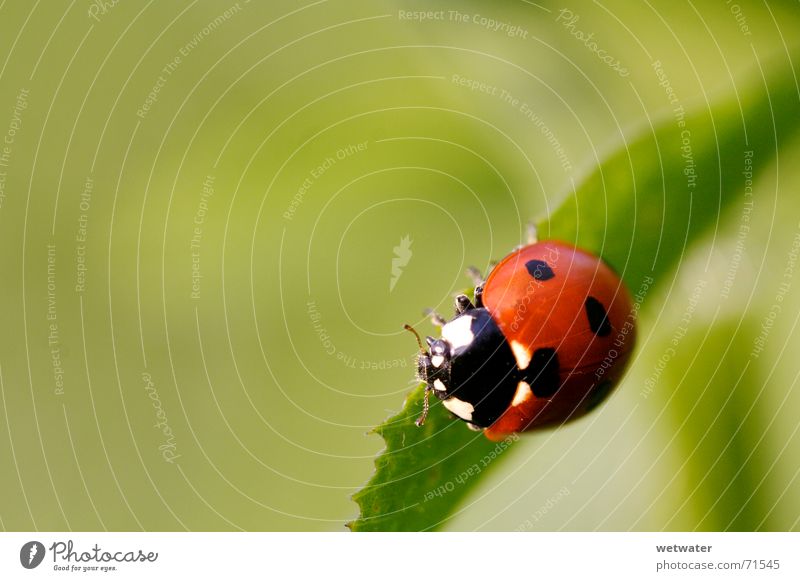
x,y
200,204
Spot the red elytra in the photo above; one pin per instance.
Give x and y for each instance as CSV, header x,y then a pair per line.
x,y
553,296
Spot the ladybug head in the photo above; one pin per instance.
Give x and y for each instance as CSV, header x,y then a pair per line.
x,y
433,367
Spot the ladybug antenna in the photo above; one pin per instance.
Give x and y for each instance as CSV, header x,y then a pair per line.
x,y
419,341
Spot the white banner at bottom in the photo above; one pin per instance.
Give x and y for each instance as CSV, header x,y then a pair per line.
x,y
407,556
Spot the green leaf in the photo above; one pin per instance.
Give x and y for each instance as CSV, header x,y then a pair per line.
x,y
639,210
423,472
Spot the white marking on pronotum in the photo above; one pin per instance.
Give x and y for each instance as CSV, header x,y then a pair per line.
x,y
521,354
438,385
437,360
522,394
462,409
458,332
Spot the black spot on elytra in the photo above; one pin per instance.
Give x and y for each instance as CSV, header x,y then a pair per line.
x,y
542,372
598,394
598,318
539,269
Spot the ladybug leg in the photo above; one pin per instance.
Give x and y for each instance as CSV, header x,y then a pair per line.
x,y
479,296
533,233
425,408
436,318
463,304
475,275
478,281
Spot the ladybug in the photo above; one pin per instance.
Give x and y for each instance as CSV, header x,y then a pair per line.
x,y
548,336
